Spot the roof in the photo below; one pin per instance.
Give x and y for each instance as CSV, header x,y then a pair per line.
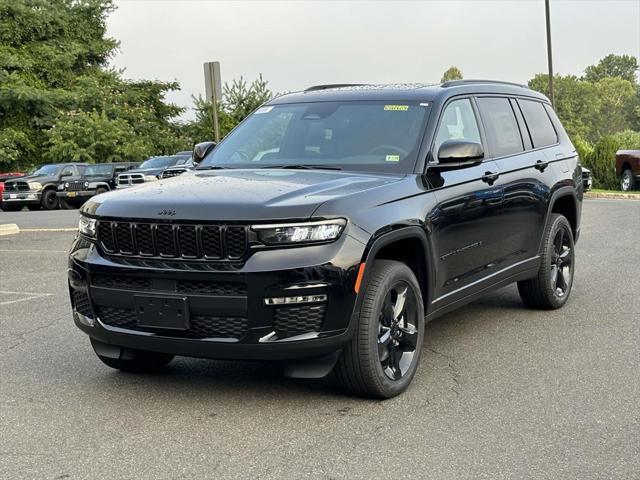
x,y
420,92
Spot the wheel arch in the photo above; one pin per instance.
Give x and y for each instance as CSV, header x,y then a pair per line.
x,y
565,202
409,245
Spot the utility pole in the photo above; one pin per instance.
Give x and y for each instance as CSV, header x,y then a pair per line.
x,y
213,91
549,55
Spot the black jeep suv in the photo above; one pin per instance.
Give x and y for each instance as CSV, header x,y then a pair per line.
x,y
96,179
329,226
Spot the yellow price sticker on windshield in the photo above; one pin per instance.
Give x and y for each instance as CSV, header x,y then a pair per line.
x,y
392,158
396,108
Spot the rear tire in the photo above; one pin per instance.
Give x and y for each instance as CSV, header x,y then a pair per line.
x,y
49,200
137,361
551,287
627,181
384,353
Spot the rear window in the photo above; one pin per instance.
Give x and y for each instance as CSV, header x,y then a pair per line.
x,y
501,127
539,124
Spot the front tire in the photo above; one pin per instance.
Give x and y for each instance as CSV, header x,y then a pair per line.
x,y
137,361
384,353
551,287
627,181
49,200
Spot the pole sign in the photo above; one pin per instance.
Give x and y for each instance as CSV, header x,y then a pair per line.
x,y
213,92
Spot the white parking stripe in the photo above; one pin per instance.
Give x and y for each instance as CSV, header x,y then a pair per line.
x,y
31,296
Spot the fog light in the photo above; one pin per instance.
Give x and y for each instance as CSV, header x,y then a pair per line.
x,y
295,300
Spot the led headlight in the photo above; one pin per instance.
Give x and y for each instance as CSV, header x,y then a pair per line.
x,y
35,186
150,178
308,232
87,226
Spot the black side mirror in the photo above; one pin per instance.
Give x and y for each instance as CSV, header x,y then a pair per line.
x,y
201,150
458,154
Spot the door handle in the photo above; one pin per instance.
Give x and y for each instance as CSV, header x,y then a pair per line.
x,y
490,177
541,165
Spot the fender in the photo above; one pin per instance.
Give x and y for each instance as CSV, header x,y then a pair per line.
x,y
96,185
376,243
566,191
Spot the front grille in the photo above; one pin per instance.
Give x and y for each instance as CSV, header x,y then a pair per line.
x,y
74,186
130,178
16,187
196,287
82,304
189,242
296,320
200,326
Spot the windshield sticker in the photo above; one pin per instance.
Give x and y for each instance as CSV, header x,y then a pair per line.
x,y
263,110
392,158
396,108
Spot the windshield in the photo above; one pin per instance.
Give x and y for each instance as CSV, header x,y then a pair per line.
x,y
159,162
368,136
50,169
98,170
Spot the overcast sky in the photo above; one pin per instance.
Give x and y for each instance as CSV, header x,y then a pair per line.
x,y
302,43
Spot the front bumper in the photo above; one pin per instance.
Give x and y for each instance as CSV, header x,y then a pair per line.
x,y
75,195
21,198
229,317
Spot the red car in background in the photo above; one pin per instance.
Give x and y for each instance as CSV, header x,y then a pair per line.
x,y
7,176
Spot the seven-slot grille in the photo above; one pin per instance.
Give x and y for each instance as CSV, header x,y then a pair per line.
x,y
74,186
189,242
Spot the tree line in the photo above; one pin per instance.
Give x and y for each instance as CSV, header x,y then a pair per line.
x,y
60,100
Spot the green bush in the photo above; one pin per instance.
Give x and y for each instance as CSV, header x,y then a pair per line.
x,y
601,157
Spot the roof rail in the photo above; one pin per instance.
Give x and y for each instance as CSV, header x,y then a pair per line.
x,y
334,85
453,83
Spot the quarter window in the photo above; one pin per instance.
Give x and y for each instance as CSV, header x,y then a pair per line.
x,y
501,127
538,123
458,123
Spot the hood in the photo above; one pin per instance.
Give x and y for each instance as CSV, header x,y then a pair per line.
x,y
240,195
35,178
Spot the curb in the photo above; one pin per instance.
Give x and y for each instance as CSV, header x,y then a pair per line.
x,y
9,229
619,196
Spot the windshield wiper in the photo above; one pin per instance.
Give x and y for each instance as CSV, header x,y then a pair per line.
x,y
295,166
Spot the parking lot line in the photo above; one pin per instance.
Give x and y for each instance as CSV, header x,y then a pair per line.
x,y
30,296
70,229
33,251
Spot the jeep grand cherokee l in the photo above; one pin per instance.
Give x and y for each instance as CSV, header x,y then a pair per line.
x,y
328,227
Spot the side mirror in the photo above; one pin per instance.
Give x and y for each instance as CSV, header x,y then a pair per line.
x,y
458,154
201,150
66,174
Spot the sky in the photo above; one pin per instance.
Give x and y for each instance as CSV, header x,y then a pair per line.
x,y
296,44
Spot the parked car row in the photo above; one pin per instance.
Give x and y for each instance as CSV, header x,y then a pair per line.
x,y
69,185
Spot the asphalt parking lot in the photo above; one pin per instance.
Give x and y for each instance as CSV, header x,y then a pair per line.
x,y
502,392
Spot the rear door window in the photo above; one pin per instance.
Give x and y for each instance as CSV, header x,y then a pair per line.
x,y
539,124
501,127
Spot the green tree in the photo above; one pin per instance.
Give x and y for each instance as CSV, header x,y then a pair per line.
x,y
452,73
621,66
55,83
239,99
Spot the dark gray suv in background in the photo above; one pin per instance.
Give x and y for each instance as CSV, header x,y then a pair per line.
x,y
329,227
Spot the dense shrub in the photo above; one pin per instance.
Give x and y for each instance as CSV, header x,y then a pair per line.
x,y
601,157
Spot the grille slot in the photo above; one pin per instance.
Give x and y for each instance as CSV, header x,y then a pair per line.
x,y
200,326
189,242
124,239
75,186
105,235
296,320
82,304
236,241
211,288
